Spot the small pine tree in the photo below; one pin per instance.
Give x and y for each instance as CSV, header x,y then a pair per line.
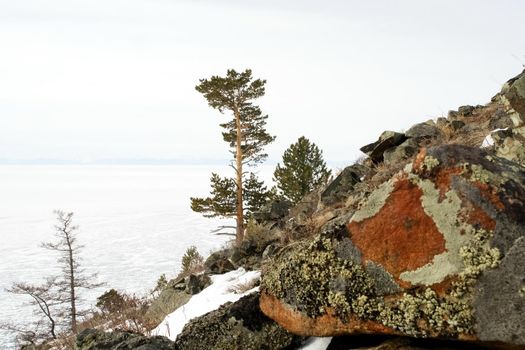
x,y
303,170
191,260
222,202
111,302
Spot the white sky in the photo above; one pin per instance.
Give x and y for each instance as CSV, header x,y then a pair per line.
x,y
106,79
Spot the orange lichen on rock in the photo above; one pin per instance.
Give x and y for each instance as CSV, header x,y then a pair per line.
x,y
325,325
401,236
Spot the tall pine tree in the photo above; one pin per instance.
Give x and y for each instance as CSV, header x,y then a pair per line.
x,y
247,136
303,170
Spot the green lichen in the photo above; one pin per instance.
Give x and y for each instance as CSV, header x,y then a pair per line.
x,y
375,201
444,213
522,291
479,174
430,162
311,278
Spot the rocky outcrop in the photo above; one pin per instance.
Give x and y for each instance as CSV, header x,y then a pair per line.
x,y
513,93
436,251
92,339
387,140
176,293
240,325
343,184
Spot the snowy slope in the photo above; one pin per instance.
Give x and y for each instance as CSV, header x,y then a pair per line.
x,y
209,299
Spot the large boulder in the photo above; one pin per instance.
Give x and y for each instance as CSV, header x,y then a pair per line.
x,y
424,131
92,339
435,252
273,211
240,325
218,262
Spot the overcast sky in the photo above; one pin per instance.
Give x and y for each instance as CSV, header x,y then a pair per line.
x,y
107,79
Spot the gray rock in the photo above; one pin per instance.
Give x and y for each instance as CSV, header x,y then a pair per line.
x,y
219,262
196,283
500,120
457,124
240,325
466,111
384,283
92,339
510,144
343,184
424,131
514,93
499,302
387,140
402,152
274,210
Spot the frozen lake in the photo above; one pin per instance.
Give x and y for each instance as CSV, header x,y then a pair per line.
x,y
135,223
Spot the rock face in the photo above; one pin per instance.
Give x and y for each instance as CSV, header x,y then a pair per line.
x,y
91,339
436,251
343,184
240,325
514,94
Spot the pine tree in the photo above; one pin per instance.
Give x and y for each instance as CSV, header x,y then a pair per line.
x,y
303,170
222,202
246,135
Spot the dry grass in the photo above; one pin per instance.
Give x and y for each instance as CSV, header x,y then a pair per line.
x,y
299,232
240,288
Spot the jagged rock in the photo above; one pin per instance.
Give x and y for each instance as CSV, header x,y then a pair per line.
x,y
466,111
343,184
424,131
402,152
196,283
303,211
274,210
500,120
240,325
457,124
510,144
387,140
513,93
435,252
92,339
219,262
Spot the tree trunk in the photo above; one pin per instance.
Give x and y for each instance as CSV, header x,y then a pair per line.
x,y
238,160
72,287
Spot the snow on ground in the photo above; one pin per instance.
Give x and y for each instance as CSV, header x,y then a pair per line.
x,y
315,343
219,292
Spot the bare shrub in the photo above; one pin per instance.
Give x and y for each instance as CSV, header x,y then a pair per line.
x,y
257,234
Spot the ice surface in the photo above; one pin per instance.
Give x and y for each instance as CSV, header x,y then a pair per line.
x,y
135,223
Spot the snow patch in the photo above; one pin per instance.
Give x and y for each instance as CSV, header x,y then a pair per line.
x,y
489,141
222,290
316,343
